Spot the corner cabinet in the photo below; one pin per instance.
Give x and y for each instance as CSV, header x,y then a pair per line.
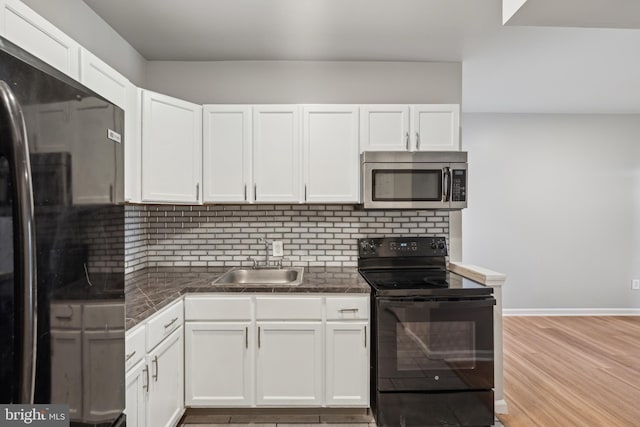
x,y
171,149
155,369
422,127
331,156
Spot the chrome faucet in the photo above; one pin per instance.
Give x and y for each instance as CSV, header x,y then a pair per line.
x,y
267,244
267,258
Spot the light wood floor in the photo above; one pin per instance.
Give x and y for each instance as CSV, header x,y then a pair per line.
x,y
572,371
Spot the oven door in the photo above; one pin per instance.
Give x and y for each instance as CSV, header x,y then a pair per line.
x,y
424,344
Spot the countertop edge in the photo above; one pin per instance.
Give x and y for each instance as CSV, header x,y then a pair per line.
x,y
481,275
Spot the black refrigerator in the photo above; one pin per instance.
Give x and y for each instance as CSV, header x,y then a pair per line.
x,y
61,243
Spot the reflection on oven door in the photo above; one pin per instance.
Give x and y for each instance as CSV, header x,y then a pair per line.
x,y
422,348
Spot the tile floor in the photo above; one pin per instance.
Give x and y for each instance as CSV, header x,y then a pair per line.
x,y
281,420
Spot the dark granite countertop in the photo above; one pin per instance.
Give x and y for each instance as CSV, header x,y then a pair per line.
x,y
149,290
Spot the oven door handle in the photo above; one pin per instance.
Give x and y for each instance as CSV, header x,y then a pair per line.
x,y
431,303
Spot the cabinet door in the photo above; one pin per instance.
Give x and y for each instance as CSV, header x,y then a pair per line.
x,y
171,149
137,387
102,79
289,368
435,127
227,153
103,369
24,27
218,364
66,379
166,371
276,153
331,156
347,364
384,128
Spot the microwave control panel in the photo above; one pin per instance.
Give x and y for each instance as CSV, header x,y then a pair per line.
x,y
402,247
458,185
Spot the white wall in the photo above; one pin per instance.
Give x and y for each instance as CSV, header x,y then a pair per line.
x,y
252,82
82,24
554,202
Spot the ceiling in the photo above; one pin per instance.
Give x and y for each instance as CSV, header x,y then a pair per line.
x,y
518,67
378,30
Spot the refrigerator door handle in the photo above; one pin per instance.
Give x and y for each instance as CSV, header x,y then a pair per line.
x,y
16,148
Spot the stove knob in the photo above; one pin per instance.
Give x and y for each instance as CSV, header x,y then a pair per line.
x,y
434,245
441,245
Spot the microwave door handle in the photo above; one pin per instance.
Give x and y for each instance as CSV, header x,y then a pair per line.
x,y
15,147
444,181
447,184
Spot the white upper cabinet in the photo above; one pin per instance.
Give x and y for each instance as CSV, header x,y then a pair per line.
x,y
276,153
102,79
425,127
331,156
24,27
435,127
384,127
226,153
171,149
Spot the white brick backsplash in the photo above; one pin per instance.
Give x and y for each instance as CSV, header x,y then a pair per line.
x,y
225,235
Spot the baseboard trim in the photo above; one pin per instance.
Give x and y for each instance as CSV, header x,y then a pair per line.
x,y
571,312
501,407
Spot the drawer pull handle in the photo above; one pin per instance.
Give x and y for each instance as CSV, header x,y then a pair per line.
x,y
64,317
129,356
171,323
349,310
155,362
145,386
246,337
365,336
259,337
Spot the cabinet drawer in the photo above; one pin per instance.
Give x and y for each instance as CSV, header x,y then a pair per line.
x,y
134,345
217,308
303,308
163,323
66,316
341,308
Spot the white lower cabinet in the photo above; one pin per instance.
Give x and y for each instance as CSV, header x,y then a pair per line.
x,y
289,364
166,384
347,364
137,383
155,376
218,364
276,350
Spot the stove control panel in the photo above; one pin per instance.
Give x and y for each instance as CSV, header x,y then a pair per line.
x,y
402,247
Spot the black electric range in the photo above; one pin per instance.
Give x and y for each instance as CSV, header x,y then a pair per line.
x,y
432,336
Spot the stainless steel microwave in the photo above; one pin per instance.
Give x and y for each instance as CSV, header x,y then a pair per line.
x,y
414,180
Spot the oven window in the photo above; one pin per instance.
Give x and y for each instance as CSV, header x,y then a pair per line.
x,y
424,346
407,185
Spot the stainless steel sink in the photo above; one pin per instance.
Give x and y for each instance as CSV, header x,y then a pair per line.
x,y
248,276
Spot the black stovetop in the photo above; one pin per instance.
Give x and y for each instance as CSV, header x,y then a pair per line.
x,y
422,282
412,266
